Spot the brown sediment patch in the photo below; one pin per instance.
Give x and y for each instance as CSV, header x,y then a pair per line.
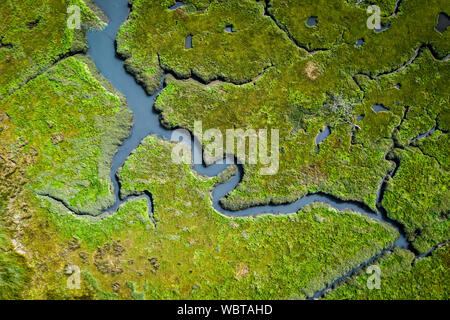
x,y
241,271
312,70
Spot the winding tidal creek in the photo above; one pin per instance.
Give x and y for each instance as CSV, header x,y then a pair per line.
x,y
146,122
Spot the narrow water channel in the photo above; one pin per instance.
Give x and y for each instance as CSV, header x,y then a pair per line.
x,y
146,122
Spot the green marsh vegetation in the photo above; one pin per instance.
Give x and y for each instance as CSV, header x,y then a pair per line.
x,y
260,257
61,122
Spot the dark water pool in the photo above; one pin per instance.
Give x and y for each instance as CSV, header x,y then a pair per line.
x,y
146,122
383,27
311,21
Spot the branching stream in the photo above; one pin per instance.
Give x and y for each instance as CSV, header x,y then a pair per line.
x,y
146,122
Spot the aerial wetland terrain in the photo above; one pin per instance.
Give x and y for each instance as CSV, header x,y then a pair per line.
x,y
93,205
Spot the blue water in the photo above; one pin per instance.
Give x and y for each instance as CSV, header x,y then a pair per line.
x,y
188,42
443,22
176,5
383,27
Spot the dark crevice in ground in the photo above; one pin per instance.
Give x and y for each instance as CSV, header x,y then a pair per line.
x,y
373,260
64,203
391,157
355,80
412,142
428,155
267,13
320,294
423,135
177,5
381,210
379,199
60,58
403,66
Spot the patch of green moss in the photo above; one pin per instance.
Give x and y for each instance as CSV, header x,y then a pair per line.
x,y
436,146
60,128
193,252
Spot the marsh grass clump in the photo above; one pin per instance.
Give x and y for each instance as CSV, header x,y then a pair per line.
x,y
190,194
